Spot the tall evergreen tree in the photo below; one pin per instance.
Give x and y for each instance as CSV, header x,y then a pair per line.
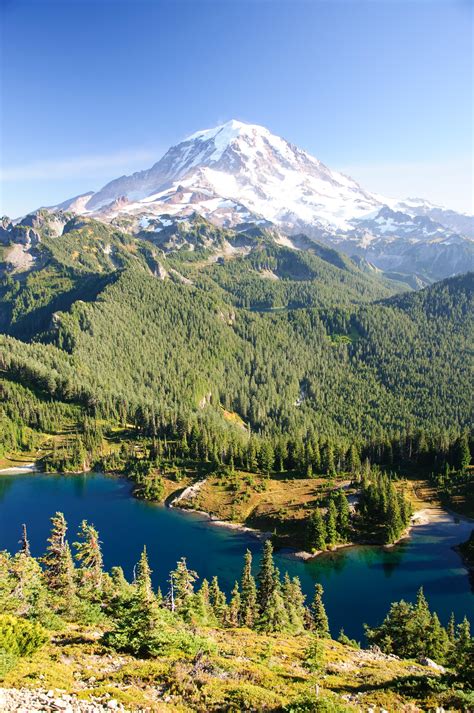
x,y
274,616
143,578
316,531
89,555
248,598
320,619
294,600
58,563
217,600
182,585
331,523
234,608
266,577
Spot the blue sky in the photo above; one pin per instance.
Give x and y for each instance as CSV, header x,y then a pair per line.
x,y
93,89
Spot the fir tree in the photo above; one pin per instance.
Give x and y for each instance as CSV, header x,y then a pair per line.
x,y
462,454
274,616
182,585
266,577
451,629
58,563
331,523
294,600
204,590
316,531
217,600
143,578
248,598
234,608
89,555
320,619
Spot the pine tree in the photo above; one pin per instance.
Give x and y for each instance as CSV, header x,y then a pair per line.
x,y
89,555
393,520
266,577
182,585
331,523
204,590
437,640
320,619
462,454
274,616
451,629
314,655
354,459
316,531
58,563
234,608
328,460
248,598
294,600
463,637
217,600
143,578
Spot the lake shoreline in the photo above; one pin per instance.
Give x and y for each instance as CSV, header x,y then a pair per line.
x,y
429,515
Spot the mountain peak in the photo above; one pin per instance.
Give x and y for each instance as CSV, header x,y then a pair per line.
x,y
228,131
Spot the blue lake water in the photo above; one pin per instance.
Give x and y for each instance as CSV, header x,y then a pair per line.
x,y
359,582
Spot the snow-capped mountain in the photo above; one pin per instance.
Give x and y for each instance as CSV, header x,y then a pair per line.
x,y
239,166
241,173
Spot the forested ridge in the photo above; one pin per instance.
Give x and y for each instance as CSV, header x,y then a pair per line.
x,y
294,344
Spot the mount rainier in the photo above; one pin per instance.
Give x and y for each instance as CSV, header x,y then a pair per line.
x,y
238,174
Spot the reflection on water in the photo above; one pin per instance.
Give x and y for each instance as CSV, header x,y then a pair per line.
x,y
359,582
5,484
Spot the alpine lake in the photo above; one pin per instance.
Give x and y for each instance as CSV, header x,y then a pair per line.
x,y
359,582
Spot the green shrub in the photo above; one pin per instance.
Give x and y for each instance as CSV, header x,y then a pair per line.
x,y
19,637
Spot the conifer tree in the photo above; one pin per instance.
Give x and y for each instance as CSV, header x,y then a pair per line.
x,y
463,637
320,619
331,523
266,577
462,454
248,598
204,590
294,600
182,584
234,608
89,555
451,629
316,531
143,578
58,563
217,600
274,616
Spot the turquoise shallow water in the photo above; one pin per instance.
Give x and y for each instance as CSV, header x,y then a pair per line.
x,y
359,582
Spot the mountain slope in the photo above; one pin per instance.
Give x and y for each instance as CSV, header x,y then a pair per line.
x,y
289,340
239,173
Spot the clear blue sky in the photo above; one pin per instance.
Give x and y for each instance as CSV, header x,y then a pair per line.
x,y
93,89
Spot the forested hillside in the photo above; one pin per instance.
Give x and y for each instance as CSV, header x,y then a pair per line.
x,y
299,343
